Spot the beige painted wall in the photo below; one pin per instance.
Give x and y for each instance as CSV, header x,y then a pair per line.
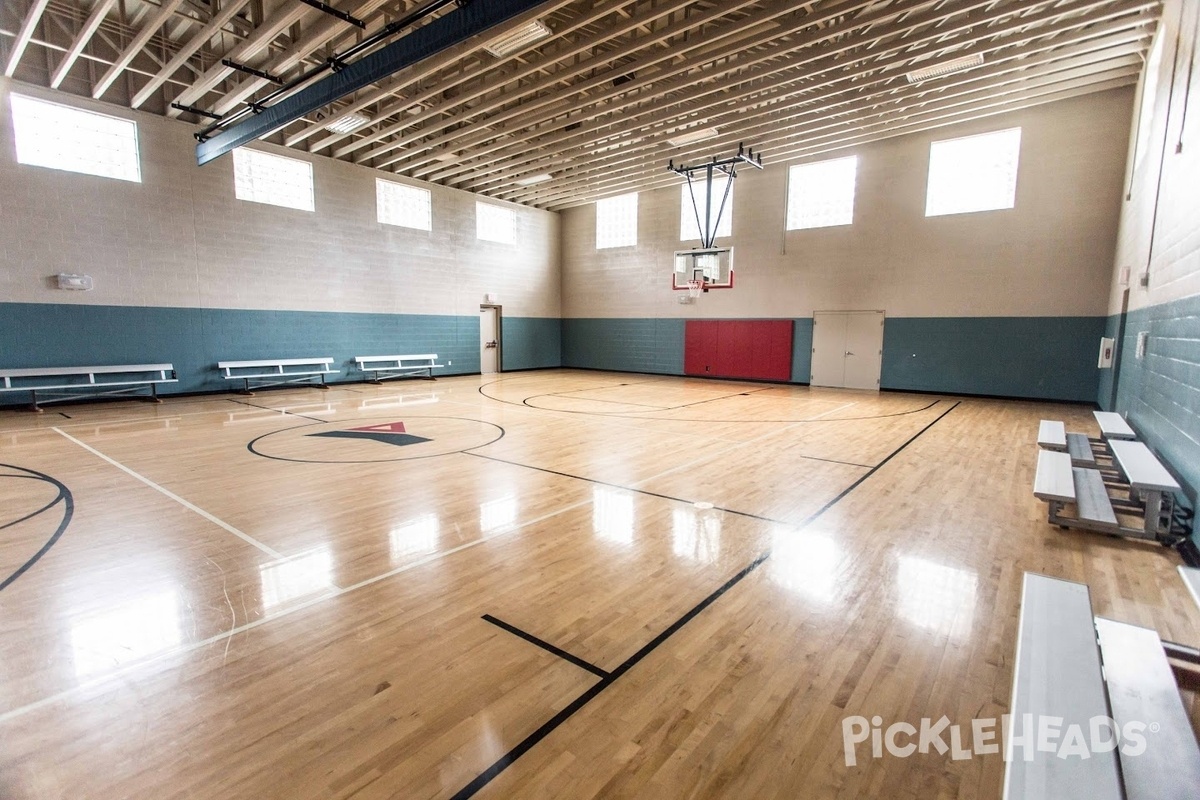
x,y
1050,256
181,239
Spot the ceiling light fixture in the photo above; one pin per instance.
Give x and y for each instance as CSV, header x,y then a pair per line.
x,y
693,136
944,68
532,179
347,123
517,39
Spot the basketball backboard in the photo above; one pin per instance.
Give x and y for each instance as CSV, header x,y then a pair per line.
x,y
713,265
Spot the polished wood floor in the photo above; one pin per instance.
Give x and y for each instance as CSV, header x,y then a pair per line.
x,y
503,587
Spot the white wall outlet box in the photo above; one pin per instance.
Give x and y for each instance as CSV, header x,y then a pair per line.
x,y
1141,343
76,282
1106,353
492,298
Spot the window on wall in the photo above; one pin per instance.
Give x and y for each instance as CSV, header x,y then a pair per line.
x,y
974,173
616,221
821,195
689,229
264,178
61,137
398,204
495,223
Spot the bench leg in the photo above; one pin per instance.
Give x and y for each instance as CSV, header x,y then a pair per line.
x,y
153,398
33,403
246,391
322,385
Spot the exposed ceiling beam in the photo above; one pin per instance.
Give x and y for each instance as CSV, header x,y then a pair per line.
x,y
99,12
32,17
821,96
198,40
441,33
135,47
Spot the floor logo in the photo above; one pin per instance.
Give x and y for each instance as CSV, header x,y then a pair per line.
x,y
387,433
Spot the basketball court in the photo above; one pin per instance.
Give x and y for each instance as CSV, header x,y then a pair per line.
x,y
545,584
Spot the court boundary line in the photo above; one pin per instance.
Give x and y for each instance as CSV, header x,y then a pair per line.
x,y
529,742
613,414
250,540
549,648
119,674
64,496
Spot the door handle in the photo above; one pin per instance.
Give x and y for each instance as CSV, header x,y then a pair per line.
x,y
490,344
849,353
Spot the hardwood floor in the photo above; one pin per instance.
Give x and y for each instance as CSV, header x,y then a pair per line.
x,y
285,595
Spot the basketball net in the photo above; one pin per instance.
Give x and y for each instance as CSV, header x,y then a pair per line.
x,y
694,288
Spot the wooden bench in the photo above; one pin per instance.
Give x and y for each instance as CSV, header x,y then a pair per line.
x,y
1058,673
1052,435
61,384
1149,484
383,368
277,372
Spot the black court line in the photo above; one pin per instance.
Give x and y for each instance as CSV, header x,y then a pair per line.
x,y
526,402
603,414
542,643
589,400
527,744
61,414
276,410
64,496
619,486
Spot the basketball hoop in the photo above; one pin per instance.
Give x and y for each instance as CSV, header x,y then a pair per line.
x,y
694,288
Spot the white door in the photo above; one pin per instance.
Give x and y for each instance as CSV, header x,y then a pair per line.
x,y
489,339
829,346
864,349
847,349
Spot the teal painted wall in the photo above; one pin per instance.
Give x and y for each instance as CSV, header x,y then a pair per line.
x,y
194,340
802,332
1160,393
1045,358
624,345
1038,357
531,342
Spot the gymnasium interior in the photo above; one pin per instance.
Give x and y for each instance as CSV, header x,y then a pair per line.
x,y
599,399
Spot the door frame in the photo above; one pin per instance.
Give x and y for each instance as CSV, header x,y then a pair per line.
x,y
499,334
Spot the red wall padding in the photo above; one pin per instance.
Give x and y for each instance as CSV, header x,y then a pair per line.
x,y
734,348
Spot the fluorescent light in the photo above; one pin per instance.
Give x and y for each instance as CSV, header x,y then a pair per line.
x,y
348,123
517,39
532,179
944,68
692,136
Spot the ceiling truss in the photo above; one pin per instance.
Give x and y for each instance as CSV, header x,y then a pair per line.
x,y
593,105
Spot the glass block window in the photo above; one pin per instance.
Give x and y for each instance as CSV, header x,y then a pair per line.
x,y
616,221
495,223
399,204
689,230
821,195
265,178
974,173
70,139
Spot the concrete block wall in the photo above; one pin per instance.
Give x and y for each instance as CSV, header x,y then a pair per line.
x,y
1159,241
1036,275
303,282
